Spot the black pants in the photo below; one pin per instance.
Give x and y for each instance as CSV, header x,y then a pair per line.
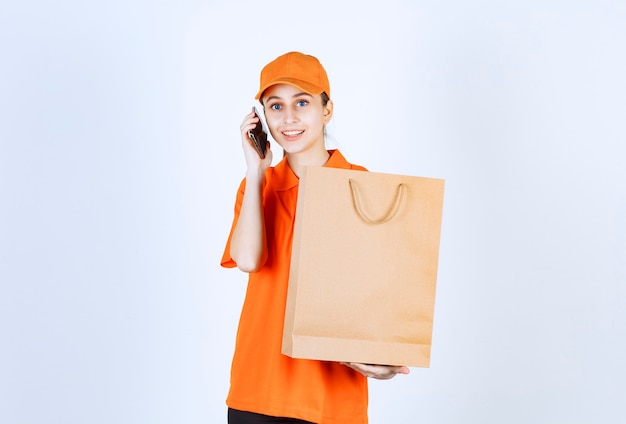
x,y
242,417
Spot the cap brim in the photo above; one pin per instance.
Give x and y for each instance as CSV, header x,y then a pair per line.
x,y
302,85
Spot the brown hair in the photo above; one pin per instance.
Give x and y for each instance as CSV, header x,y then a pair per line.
x,y
325,98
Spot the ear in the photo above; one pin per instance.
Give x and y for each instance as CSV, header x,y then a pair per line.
x,y
327,113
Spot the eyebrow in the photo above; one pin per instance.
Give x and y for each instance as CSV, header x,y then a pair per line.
x,y
293,97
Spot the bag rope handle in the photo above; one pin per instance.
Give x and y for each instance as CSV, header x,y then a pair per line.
x,y
393,210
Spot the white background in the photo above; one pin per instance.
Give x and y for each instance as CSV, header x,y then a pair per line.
x,y
120,157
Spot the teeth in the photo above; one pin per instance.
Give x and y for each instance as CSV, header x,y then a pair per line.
x,y
292,133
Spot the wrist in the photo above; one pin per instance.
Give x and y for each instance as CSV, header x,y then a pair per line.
x,y
254,176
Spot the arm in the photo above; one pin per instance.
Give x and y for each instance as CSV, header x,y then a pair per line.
x,y
248,248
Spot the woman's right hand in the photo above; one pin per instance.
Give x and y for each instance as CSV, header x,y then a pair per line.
x,y
253,160
248,244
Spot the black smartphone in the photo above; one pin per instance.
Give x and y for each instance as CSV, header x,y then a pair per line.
x,y
258,134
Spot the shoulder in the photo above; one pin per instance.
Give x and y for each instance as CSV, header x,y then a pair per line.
x,y
337,160
357,167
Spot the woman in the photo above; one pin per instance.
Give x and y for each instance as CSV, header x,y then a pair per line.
x,y
267,386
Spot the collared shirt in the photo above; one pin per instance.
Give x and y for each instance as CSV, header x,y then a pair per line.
x,y
263,380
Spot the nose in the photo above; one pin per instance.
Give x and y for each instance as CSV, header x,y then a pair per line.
x,y
291,115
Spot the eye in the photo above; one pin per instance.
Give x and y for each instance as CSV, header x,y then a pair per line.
x,y
275,106
302,102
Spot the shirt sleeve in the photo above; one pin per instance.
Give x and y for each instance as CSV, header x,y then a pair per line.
x,y
227,261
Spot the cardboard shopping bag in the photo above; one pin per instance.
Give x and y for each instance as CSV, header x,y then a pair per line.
x,y
364,267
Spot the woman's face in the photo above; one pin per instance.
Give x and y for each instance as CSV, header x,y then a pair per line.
x,y
296,119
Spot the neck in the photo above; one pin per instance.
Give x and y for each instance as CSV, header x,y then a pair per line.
x,y
298,161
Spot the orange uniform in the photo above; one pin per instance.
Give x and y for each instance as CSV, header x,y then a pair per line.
x,y
263,380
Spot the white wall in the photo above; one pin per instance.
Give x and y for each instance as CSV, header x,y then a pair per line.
x,y
120,157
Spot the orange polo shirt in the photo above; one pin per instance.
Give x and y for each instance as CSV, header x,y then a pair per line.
x,y
263,380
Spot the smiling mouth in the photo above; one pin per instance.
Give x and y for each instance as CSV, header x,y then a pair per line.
x,y
292,133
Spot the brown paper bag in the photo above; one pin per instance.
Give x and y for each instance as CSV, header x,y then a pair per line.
x,y
363,267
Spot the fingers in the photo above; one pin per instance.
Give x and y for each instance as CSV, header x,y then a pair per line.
x,y
380,372
249,122
402,370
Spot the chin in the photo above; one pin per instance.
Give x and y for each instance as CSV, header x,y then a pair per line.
x,y
291,148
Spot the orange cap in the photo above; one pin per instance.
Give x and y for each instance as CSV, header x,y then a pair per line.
x,y
297,69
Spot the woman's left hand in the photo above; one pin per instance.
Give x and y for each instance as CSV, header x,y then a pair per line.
x,y
379,372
